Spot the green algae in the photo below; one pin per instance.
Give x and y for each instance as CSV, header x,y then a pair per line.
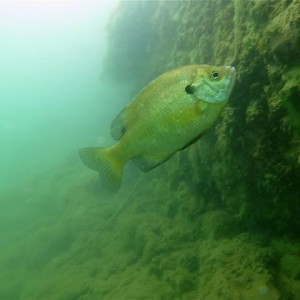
x,y
146,250
289,94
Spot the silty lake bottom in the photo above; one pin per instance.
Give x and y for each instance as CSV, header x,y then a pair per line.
x,y
219,220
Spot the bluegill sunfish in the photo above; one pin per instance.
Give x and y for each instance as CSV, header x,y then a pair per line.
x,y
170,113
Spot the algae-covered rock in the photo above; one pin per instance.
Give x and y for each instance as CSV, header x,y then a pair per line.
x,y
243,175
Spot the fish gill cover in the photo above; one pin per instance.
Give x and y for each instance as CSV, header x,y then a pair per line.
x,y
220,220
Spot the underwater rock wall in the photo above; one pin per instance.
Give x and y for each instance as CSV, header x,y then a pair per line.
x,y
250,162
236,191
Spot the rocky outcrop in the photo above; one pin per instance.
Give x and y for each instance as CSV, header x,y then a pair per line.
x,y
252,157
241,179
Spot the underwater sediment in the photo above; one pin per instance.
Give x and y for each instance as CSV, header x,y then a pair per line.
x,y
220,220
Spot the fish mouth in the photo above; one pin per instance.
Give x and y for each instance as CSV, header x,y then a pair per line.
x,y
232,72
232,77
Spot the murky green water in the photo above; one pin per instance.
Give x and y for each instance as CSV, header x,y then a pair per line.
x,y
217,221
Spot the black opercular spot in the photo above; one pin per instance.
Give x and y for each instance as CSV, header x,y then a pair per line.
x,y
189,89
214,74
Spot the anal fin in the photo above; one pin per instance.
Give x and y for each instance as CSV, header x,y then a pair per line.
x,y
192,141
148,162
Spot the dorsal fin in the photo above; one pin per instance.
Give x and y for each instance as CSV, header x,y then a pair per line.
x,y
118,126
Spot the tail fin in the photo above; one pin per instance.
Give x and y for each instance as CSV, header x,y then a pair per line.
x,y
109,167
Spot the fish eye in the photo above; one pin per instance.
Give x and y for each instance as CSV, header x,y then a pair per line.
x,y
214,75
189,89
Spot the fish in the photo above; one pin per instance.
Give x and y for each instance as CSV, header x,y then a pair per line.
x,y
172,112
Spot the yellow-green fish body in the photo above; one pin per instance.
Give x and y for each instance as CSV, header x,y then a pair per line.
x,y
169,114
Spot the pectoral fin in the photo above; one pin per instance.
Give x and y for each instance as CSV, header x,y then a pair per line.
x,y
200,107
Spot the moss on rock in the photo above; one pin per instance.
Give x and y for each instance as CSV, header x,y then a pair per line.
x,y
243,176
